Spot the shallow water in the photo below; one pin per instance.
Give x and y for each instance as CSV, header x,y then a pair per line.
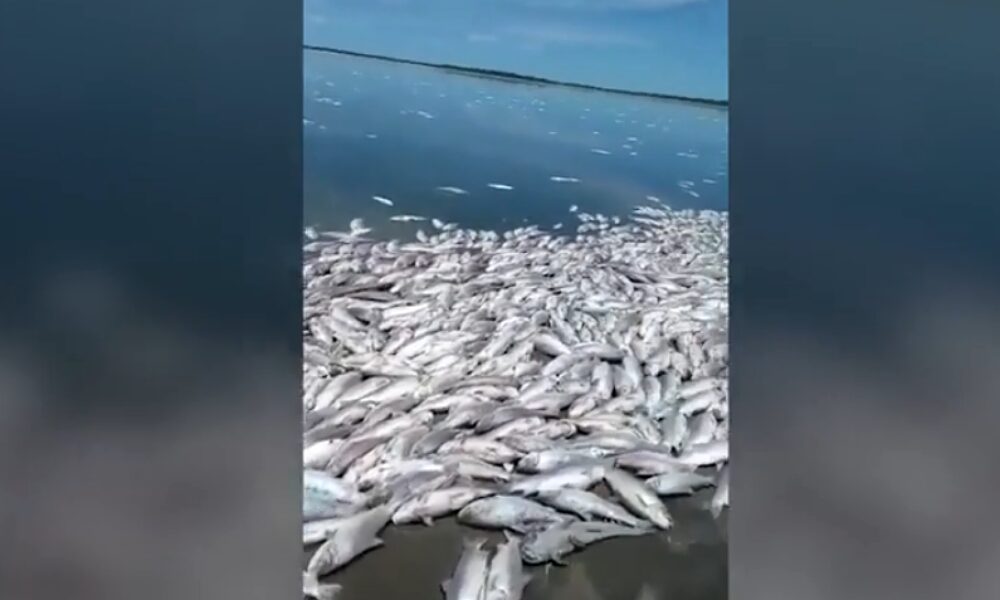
x,y
687,563
373,128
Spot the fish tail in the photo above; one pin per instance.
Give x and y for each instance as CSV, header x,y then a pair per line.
x,y
310,583
327,591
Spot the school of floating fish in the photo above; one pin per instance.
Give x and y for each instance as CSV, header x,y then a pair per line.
x,y
556,387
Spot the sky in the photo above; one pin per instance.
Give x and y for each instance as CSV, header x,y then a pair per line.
x,y
667,46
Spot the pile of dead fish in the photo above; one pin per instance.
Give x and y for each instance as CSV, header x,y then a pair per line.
x,y
556,387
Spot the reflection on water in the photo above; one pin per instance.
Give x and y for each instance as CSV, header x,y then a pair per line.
x,y
518,153
687,563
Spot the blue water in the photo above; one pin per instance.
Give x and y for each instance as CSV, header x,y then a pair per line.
x,y
373,128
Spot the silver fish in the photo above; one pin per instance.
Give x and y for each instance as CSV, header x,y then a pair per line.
x,y
437,503
353,537
555,542
586,505
638,498
678,483
580,476
508,512
709,453
468,582
720,499
506,578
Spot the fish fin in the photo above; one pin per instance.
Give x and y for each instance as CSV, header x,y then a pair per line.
x,y
310,582
427,521
509,467
475,543
525,580
558,560
375,543
445,585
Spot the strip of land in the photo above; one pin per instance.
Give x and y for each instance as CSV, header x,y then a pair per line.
x,y
519,78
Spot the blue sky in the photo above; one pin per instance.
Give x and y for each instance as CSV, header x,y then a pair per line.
x,y
669,46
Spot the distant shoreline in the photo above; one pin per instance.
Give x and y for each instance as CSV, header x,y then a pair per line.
x,y
518,78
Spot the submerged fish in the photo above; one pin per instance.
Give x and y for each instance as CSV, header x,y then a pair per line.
x,y
500,186
382,200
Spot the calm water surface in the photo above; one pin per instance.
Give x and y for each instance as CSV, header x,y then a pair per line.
x,y
688,563
400,132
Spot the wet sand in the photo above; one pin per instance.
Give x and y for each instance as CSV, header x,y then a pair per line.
x,y
687,563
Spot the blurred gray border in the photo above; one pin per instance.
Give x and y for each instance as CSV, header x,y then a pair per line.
x,y
865,325
150,318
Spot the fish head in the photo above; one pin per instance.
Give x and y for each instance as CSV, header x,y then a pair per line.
x,y
529,463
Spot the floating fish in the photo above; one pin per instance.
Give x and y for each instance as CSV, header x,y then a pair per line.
x,y
452,190
358,227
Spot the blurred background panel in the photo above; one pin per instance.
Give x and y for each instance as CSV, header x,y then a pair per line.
x,y
150,315
864,299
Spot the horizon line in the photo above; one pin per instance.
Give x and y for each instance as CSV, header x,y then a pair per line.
x,y
519,77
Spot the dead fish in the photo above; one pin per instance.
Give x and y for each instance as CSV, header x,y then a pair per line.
x,y
437,503
638,498
506,578
508,512
468,582
353,537
678,483
586,505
